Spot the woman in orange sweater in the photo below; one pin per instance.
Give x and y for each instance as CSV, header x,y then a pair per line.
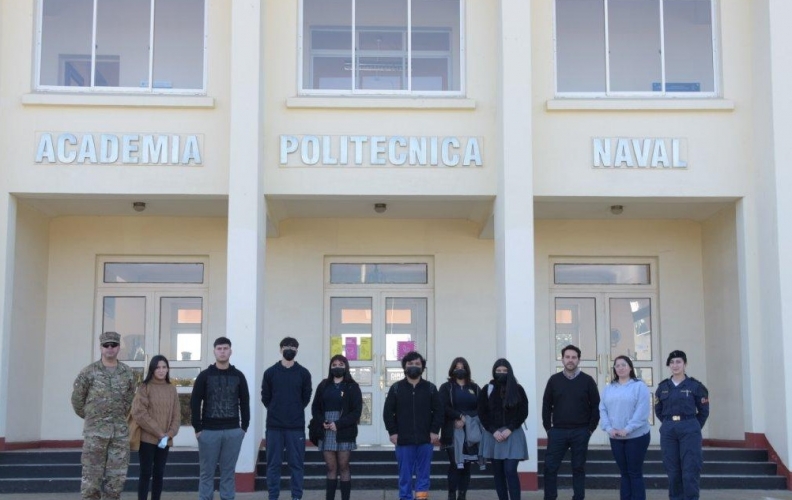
x,y
157,411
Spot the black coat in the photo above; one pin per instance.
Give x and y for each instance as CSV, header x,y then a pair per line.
x,y
351,408
450,414
495,415
413,412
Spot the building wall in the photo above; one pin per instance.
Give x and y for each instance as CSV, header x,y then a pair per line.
x,y
677,246
463,294
722,325
75,243
28,340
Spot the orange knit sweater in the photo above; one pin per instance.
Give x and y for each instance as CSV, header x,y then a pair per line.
x,y
157,411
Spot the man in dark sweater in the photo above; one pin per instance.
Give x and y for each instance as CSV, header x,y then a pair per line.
x,y
413,416
570,414
285,392
220,405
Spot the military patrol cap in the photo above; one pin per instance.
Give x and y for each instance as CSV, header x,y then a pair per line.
x,y
110,337
676,354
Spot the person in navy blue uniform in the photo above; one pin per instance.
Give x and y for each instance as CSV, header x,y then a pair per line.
x,y
682,405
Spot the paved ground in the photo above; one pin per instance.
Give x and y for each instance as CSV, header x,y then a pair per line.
x,y
437,495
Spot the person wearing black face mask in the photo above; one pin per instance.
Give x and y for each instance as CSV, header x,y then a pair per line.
x,y
286,391
503,408
459,397
338,403
413,416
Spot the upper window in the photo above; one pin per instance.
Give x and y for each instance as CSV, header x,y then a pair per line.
x,y
128,45
382,47
635,47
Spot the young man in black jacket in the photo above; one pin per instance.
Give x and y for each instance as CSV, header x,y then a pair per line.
x,y
413,416
570,414
220,405
285,392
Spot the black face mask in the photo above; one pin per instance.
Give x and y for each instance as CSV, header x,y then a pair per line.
x,y
337,371
289,354
413,372
501,377
460,374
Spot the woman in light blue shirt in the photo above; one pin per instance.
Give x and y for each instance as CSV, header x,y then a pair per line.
x,y
624,415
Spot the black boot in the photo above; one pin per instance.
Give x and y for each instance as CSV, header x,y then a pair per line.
x,y
452,495
330,489
462,495
346,488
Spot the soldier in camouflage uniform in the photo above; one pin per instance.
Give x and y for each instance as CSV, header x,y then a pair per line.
x,y
102,396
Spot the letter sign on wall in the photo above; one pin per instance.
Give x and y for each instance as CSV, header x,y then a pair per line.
x,y
645,152
123,149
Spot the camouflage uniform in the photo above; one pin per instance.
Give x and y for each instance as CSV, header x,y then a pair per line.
x,y
103,399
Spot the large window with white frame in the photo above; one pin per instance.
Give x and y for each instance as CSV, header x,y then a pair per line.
x,y
145,46
653,48
382,47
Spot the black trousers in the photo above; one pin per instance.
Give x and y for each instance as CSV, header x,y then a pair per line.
x,y
458,479
152,461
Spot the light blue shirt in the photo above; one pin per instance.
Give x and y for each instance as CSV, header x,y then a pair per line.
x,y
626,406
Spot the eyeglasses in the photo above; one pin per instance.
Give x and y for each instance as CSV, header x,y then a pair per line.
x,y
110,345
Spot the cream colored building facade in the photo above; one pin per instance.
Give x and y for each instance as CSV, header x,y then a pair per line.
x,y
261,156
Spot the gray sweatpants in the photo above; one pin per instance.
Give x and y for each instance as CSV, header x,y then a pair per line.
x,y
218,448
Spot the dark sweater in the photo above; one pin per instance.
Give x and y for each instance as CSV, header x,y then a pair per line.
x,y
570,404
493,412
220,400
413,412
285,393
351,404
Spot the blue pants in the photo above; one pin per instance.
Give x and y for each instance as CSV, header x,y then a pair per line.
x,y
414,459
682,457
507,482
629,455
219,448
558,442
293,441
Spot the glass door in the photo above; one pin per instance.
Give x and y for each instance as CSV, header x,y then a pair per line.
x,y
152,323
605,325
374,329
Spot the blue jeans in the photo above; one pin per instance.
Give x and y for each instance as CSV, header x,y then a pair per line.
x,y
293,441
219,448
413,459
629,455
682,457
507,482
558,442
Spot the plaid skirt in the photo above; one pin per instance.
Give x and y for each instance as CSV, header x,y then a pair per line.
x,y
329,442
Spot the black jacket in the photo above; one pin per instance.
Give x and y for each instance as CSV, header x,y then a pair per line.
x,y
413,412
452,415
285,393
495,415
351,407
220,400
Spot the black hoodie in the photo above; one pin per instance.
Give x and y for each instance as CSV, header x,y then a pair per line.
x,y
220,400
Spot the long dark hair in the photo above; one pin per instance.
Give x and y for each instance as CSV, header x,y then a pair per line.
x,y
153,367
629,362
465,365
511,395
347,374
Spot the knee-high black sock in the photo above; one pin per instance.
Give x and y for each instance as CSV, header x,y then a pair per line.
x,y
346,487
330,489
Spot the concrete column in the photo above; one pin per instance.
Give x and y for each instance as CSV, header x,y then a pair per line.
x,y
246,216
514,225
8,230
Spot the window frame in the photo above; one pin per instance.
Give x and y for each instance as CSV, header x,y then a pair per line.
x,y
408,92
151,89
663,93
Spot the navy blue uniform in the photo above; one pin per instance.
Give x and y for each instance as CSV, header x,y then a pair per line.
x,y
683,411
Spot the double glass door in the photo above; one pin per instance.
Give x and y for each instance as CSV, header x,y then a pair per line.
x,y
605,325
374,329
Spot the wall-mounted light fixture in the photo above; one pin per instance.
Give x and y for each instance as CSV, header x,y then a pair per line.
x,y
138,206
617,209
380,207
